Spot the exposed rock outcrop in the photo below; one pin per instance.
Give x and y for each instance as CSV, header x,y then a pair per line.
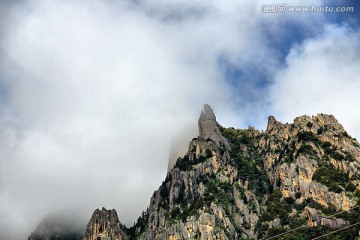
x,y
245,184
315,220
208,127
221,189
295,152
105,225
203,197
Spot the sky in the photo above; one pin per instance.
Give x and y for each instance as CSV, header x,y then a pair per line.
x,y
96,97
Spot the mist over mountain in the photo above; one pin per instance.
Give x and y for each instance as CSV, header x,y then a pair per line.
x,y
67,224
245,184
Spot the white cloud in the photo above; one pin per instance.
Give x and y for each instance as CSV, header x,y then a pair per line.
x,y
321,76
96,95
94,101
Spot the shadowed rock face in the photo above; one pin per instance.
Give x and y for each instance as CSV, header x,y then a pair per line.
x,y
104,225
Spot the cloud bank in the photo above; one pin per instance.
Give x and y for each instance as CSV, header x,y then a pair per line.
x,y
321,75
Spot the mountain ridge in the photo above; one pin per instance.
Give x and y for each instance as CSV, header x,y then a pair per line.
x,y
245,184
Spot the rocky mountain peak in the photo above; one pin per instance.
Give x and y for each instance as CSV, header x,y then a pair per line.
x,y
207,113
208,127
273,124
320,120
322,124
245,184
104,225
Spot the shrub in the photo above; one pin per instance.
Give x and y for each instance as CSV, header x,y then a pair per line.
x,y
306,149
331,177
349,157
325,144
345,134
289,200
357,193
184,164
311,203
176,212
277,208
307,136
336,155
320,130
350,187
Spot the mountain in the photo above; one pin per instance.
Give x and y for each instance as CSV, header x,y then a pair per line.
x,y
245,184
57,226
105,224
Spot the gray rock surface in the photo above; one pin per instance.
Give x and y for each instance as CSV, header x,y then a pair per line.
x,y
314,219
105,225
208,127
236,212
291,161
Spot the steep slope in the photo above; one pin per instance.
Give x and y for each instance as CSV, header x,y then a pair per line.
x,y
318,146
237,183
245,184
214,192
312,162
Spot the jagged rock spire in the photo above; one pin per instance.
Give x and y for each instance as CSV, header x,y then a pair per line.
x,y
208,127
104,225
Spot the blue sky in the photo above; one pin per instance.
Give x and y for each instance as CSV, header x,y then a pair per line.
x,y
97,98
292,33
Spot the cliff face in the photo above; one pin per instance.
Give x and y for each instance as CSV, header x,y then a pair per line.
x,y
105,225
237,183
246,184
186,205
298,156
